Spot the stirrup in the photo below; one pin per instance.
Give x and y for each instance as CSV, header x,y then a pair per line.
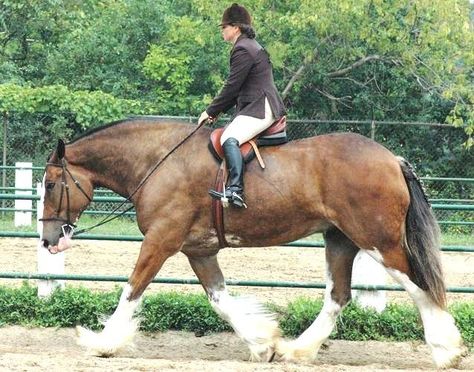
x,y
237,200
234,199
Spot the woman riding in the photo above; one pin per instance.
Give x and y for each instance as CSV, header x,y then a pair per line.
x,y
249,87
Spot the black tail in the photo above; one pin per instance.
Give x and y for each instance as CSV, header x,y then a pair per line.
x,y
422,239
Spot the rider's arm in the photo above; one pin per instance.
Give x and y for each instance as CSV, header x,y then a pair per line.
x,y
240,64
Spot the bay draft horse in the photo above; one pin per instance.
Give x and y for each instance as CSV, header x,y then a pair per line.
x,y
353,190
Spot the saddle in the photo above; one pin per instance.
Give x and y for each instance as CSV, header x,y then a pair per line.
x,y
272,136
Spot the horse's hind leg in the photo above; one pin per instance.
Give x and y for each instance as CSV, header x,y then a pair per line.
x,y
253,324
340,254
441,333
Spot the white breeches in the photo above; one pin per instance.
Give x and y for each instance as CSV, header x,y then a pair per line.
x,y
244,128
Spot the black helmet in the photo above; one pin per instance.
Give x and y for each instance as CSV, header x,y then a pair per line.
x,y
236,14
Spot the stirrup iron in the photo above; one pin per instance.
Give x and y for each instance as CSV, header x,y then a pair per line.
x,y
235,199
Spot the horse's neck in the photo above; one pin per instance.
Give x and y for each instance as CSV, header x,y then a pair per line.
x,y
119,162
102,171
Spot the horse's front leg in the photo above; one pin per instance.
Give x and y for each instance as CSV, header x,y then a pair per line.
x,y
121,327
256,326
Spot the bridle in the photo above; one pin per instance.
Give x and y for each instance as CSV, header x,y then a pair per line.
x,y
68,226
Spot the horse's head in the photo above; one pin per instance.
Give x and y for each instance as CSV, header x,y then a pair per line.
x,y
67,191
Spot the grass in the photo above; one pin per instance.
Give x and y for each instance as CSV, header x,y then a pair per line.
x,y
127,226
457,239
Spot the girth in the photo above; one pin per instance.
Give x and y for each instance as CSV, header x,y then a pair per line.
x,y
217,208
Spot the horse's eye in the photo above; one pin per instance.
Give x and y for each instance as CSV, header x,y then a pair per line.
x,y
50,186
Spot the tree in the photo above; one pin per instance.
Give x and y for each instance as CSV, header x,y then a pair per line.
x,y
346,59
401,60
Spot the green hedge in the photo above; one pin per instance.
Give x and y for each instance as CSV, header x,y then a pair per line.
x,y
190,312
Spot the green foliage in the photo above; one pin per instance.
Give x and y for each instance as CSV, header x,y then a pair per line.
x,y
189,312
65,308
180,312
171,72
88,109
396,323
299,315
356,59
38,116
464,316
18,306
74,306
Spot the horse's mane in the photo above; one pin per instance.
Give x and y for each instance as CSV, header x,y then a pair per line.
x,y
131,119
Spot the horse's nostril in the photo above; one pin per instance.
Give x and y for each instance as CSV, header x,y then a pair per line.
x,y
45,243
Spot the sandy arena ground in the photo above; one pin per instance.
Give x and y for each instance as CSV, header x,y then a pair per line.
x,y
55,349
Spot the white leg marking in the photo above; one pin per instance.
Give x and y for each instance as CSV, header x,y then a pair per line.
x,y
368,271
306,346
251,321
118,331
441,333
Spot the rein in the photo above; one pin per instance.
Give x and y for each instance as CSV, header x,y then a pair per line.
x,y
111,216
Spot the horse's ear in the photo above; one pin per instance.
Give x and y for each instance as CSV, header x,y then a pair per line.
x,y
59,153
61,149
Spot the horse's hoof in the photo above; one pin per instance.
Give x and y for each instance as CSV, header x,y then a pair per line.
x,y
272,357
290,351
449,358
94,342
262,353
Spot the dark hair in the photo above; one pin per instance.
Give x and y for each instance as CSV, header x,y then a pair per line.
x,y
247,30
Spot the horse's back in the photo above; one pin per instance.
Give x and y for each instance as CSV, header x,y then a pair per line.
x,y
340,145
331,154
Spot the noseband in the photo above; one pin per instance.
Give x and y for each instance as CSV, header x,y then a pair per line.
x,y
67,226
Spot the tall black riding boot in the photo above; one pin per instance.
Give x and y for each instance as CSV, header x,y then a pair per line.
x,y
234,190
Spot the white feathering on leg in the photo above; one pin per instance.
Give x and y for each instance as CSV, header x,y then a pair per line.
x,y
118,332
441,333
255,325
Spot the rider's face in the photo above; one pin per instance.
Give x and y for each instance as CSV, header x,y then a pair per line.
x,y
230,33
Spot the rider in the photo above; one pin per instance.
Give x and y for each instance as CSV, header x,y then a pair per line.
x,y
251,89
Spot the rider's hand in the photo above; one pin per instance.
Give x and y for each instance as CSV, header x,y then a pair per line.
x,y
204,116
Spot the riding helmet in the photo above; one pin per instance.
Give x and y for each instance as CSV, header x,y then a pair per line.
x,y
236,14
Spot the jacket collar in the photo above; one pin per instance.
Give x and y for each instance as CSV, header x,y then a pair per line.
x,y
240,38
